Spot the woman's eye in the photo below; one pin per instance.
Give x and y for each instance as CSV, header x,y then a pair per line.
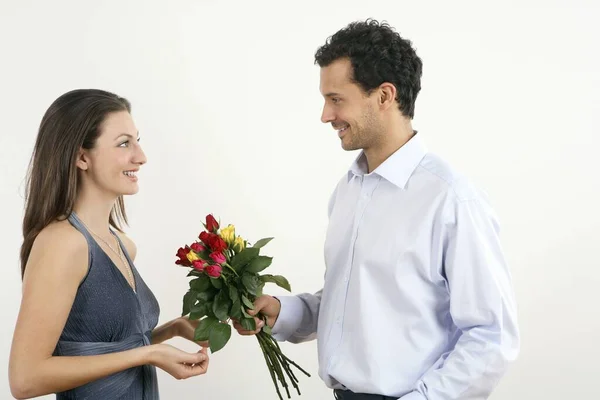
x,y
124,144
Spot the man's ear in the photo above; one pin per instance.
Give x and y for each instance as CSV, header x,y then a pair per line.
x,y
387,95
82,160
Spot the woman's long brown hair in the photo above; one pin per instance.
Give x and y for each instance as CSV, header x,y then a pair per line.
x,y
72,122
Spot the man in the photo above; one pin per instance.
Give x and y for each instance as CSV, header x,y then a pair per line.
x,y
417,300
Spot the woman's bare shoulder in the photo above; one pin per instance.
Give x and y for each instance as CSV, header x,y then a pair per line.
x,y
60,248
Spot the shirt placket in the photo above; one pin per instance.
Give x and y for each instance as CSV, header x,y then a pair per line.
x,y
367,186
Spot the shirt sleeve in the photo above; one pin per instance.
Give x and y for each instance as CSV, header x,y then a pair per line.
x,y
297,320
482,307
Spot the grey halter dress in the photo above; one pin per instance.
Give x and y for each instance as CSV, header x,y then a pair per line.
x,y
108,316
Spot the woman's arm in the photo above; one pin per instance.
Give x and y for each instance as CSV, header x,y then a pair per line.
x,y
164,332
57,264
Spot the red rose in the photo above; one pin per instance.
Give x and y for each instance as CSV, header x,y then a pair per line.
x,y
218,244
218,257
197,247
199,265
204,237
213,241
211,223
182,254
213,270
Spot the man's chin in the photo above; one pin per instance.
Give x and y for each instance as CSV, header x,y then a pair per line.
x,y
349,146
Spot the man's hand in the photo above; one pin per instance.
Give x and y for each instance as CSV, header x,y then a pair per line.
x,y
268,306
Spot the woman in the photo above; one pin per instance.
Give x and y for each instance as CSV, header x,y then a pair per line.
x,y
87,323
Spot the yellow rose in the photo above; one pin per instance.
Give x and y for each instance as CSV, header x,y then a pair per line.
x,y
192,256
228,234
239,244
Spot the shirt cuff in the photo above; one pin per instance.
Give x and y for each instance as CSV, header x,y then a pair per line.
x,y
289,319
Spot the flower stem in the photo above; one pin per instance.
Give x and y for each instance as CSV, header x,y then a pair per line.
x,y
282,360
231,268
274,342
275,363
278,363
269,366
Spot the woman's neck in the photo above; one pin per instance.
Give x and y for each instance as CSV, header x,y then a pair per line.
x,y
93,208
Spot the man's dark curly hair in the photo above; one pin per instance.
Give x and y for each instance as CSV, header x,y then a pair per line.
x,y
378,54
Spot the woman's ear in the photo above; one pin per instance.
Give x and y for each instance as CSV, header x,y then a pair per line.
x,y
82,160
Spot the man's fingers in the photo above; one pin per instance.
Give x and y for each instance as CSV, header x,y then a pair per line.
x,y
240,329
244,332
247,333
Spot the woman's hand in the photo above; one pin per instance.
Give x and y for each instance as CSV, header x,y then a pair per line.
x,y
177,363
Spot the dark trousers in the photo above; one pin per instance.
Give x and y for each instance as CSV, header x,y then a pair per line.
x,y
348,395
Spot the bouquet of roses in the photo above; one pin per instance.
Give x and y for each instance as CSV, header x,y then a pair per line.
x,y
226,282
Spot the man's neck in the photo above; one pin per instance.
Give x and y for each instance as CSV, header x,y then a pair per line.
x,y
394,138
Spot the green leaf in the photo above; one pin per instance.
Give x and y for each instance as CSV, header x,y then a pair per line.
x,y
203,329
261,285
266,329
248,324
194,272
207,295
219,336
247,302
236,310
244,257
189,299
251,283
200,310
258,264
262,243
200,284
221,306
245,313
233,293
216,282
278,280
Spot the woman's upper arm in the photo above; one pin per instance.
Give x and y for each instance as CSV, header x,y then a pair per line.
x,y
57,264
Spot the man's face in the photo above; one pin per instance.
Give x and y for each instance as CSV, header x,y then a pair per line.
x,y
348,108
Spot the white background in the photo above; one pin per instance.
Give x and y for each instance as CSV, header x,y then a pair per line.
x,y
225,95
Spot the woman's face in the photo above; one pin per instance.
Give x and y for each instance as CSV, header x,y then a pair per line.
x,y
113,163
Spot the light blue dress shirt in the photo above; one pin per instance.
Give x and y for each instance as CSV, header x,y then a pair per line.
x,y
417,301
